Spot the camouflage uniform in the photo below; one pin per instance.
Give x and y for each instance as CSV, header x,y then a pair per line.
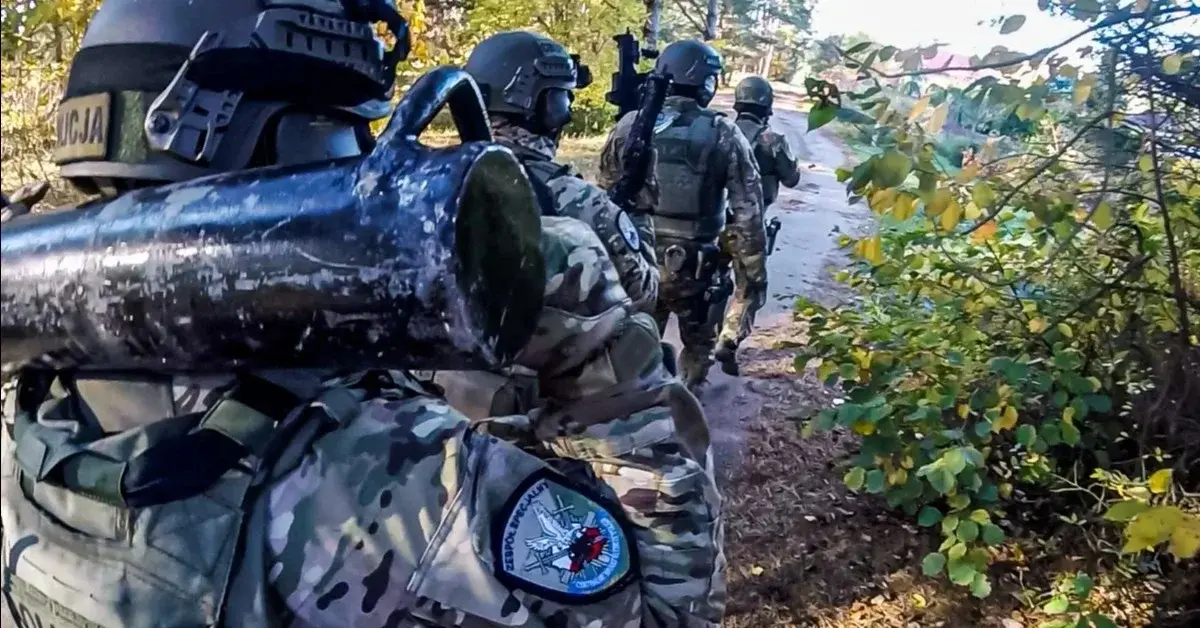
x,y
683,290
776,165
380,506
573,197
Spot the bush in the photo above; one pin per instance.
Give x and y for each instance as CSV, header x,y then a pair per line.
x,y
1017,329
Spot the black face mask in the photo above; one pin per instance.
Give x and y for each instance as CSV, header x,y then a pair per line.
x,y
554,112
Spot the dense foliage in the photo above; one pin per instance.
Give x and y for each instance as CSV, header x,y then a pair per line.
x,y
1026,314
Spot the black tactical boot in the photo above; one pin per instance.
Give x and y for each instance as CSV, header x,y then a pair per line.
x,y
726,356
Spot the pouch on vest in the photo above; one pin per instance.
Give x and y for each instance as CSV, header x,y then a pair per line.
x,y
139,528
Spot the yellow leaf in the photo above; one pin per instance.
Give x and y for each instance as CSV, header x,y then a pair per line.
x,y
1151,528
1038,325
940,201
981,517
904,207
1068,414
882,200
982,194
971,211
1083,89
985,232
963,410
918,107
1160,481
938,118
1185,538
1172,63
919,601
1103,218
949,218
875,250
897,477
863,427
1145,163
1007,420
756,570
1065,330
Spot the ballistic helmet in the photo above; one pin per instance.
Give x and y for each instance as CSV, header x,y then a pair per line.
x,y
527,76
172,90
754,90
694,67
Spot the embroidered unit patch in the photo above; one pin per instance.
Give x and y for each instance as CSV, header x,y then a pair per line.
x,y
664,120
629,231
555,541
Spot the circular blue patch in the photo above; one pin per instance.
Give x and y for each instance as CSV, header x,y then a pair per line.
x,y
559,543
629,231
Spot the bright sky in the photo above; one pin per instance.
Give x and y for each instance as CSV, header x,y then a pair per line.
x,y
908,23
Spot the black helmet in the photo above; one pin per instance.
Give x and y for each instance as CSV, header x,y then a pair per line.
x,y
754,90
693,66
515,68
171,90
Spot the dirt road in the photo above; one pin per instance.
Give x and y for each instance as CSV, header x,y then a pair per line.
x,y
812,215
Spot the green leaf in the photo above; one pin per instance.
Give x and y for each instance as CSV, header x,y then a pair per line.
x,y
1026,435
962,572
933,564
859,47
821,114
891,169
1101,621
992,534
949,525
954,460
854,478
1070,434
941,479
968,531
1099,403
928,517
1057,604
980,587
957,551
959,502
1082,585
875,481
1012,24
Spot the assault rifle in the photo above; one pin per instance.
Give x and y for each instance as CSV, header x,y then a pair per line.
x,y
627,81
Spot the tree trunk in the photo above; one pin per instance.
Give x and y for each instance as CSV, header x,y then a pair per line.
x,y
710,22
650,27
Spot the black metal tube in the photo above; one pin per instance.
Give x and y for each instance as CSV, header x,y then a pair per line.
x,y
410,257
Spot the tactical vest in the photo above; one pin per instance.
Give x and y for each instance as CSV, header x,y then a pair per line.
x,y
753,130
691,178
145,526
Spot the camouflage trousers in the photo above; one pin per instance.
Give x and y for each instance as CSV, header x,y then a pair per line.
x,y
685,296
746,300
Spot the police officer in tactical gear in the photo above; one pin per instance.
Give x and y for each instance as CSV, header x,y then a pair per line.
x,y
620,412
528,83
367,503
753,99
709,184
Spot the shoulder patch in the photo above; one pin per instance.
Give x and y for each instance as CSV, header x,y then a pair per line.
x,y
561,543
664,120
629,231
